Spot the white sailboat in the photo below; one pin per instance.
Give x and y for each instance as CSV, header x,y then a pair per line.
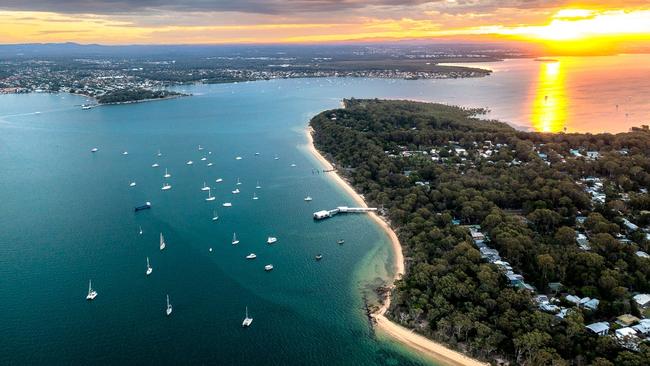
x,y
149,269
204,158
258,186
219,180
167,175
162,242
276,158
308,198
268,267
169,307
140,232
215,215
125,153
205,187
227,204
251,256
200,147
92,294
94,149
236,191
235,241
247,321
238,158
166,186
155,165
189,162
238,182
209,164
132,184
271,239
255,196
159,153
210,196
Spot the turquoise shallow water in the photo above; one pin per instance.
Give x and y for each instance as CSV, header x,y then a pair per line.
x,y
67,217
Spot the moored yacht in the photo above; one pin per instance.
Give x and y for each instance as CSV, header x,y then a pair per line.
x,y
92,294
235,241
258,186
125,153
167,175
205,187
168,311
132,184
238,158
219,180
210,196
149,269
319,257
215,215
209,164
166,186
340,241
227,204
204,158
200,147
159,153
155,165
189,162
268,267
255,196
140,232
251,256
94,149
236,191
162,242
308,198
238,182
247,321
271,240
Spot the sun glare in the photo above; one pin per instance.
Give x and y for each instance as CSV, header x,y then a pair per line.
x,y
549,106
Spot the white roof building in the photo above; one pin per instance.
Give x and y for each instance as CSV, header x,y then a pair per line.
x,y
643,300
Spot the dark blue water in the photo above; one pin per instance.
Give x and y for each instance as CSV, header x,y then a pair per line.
x,y
66,216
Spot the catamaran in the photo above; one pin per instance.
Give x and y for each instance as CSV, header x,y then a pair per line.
x,y
210,196
235,241
251,256
169,307
271,240
162,242
167,175
205,187
92,294
149,269
247,321
255,196
166,186
215,215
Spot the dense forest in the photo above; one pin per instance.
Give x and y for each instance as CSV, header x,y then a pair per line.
x,y
437,171
134,95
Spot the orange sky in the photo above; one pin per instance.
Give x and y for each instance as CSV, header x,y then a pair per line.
x,y
558,25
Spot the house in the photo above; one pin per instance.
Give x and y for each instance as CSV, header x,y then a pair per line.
x,y
600,328
592,304
555,287
643,327
580,220
575,152
643,300
630,226
593,155
625,332
626,320
642,254
562,313
515,279
573,299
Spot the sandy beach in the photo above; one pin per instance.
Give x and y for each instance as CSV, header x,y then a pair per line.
x,y
432,350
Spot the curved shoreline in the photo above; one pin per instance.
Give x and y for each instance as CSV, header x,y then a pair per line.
x,y
425,346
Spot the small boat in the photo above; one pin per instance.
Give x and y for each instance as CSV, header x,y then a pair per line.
x,y
132,184
85,107
215,216
238,182
189,162
200,147
219,180
271,240
205,187
235,241
169,307
293,165
236,191
159,153
210,250
319,257
125,153
167,175
257,154
166,187
209,164
340,241
308,198
255,196
238,158
146,206
92,294
227,204
155,165
140,232
204,158
94,150
258,186
162,242
268,267
251,256
276,158
149,269
247,321
210,196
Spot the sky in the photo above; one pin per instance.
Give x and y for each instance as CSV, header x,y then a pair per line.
x,y
564,24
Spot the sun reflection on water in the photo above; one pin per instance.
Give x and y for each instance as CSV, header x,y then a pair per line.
x,y
549,106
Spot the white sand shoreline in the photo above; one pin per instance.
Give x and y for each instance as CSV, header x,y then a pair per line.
x,y
430,349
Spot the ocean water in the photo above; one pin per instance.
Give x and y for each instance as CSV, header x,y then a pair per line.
x,y
66,216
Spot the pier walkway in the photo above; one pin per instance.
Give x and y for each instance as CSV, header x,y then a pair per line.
x,y
324,214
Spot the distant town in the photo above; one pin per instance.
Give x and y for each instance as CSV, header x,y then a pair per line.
x,y
114,74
